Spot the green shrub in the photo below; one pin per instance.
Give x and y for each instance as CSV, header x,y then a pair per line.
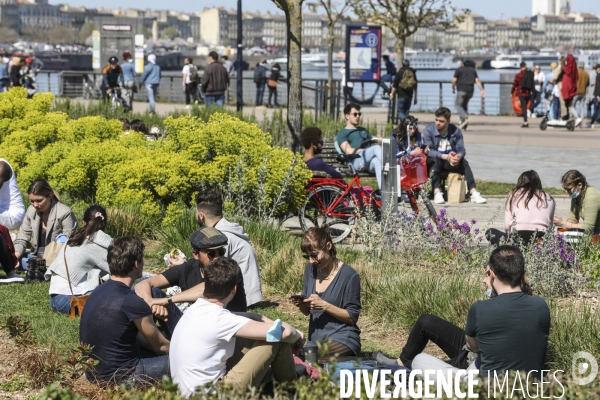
x,y
92,158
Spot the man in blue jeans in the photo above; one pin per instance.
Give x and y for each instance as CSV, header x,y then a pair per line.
x,y
115,316
151,79
214,81
405,85
354,139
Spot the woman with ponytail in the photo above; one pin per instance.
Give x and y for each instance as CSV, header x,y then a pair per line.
x,y
585,204
46,218
85,254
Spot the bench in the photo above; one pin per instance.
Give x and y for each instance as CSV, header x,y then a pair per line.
x,y
328,155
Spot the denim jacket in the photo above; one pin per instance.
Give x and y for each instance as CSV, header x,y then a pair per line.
x,y
432,139
151,75
128,71
4,71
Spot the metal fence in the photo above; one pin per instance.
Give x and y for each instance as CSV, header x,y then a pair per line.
x,y
431,93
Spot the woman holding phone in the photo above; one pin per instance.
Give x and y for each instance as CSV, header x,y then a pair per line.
x,y
331,296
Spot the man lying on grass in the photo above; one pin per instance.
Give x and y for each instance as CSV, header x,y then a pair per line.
x,y
508,332
211,343
119,324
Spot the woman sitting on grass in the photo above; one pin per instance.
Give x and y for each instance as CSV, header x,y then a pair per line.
x,y
331,296
85,254
585,204
531,208
46,218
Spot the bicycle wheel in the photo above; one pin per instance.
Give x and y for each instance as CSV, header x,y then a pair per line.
x,y
313,213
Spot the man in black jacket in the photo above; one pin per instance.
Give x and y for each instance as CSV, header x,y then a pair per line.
x,y
214,81
596,101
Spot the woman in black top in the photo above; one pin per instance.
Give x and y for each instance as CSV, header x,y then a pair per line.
x,y
272,83
331,296
15,72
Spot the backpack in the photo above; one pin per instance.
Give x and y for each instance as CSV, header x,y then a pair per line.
x,y
193,74
259,74
527,81
408,81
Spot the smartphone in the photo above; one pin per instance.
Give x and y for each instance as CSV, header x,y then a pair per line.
x,y
297,296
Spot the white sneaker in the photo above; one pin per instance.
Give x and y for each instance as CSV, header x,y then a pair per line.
x,y
13,279
438,198
528,113
464,124
578,121
533,115
476,198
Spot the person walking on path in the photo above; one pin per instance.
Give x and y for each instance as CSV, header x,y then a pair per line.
x,y
151,78
389,76
190,82
583,81
128,80
522,86
214,81
273,78
228,65
405,84
464,81
539,78
596,98
260,78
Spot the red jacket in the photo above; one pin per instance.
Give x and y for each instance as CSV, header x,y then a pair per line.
x,y
516,86
569,78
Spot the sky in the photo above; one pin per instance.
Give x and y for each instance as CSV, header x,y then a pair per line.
x,y
490,9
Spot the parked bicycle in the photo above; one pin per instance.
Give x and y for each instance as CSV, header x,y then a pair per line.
x,y
335,205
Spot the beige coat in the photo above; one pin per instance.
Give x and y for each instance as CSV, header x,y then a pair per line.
x,y
60,220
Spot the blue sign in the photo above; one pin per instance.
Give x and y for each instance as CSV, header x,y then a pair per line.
x,y
363,52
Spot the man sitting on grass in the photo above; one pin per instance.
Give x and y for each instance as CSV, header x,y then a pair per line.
x,y
509,331
207,245
241,349
119,325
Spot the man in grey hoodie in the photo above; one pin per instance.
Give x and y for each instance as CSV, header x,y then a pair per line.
x,y
209,212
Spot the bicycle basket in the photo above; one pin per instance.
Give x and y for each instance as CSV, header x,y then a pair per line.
x,y
413,170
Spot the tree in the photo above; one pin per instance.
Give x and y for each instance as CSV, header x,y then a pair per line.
x,y
169,33
86,31
293,17
404,17
334,12
34,33
8,35
61,35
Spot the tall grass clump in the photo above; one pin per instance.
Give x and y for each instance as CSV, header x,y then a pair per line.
x,y
129,220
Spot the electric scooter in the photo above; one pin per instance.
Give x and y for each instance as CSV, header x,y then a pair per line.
x,y
546,122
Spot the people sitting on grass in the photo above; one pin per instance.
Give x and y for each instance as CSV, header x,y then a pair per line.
x,y
213,344
12,209
529,208
209,212
207,244
119,325
8,260
447,150
354,139
331,296
312,141
585,204
46,218
508,332
413,146
81,262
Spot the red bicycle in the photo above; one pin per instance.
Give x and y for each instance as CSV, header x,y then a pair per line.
x,y
334,204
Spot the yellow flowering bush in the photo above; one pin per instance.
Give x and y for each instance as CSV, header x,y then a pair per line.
x,y
92,159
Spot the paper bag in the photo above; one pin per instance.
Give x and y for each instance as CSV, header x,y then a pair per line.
x,y
456,188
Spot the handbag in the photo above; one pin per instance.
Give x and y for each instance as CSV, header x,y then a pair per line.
x,y
272,83
77,302
52,251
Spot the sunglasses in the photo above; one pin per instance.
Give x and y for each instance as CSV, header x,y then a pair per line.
x,y
311,255
213,253
356,114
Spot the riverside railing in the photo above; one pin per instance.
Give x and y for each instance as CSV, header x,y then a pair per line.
x,y
431,93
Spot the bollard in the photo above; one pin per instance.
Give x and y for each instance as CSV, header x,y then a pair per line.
x,y
389,177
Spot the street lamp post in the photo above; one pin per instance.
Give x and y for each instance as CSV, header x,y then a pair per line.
x,y
240,82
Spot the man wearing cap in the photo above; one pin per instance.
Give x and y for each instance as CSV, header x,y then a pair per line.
x,y
212,344
404,90
207,244
465,78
